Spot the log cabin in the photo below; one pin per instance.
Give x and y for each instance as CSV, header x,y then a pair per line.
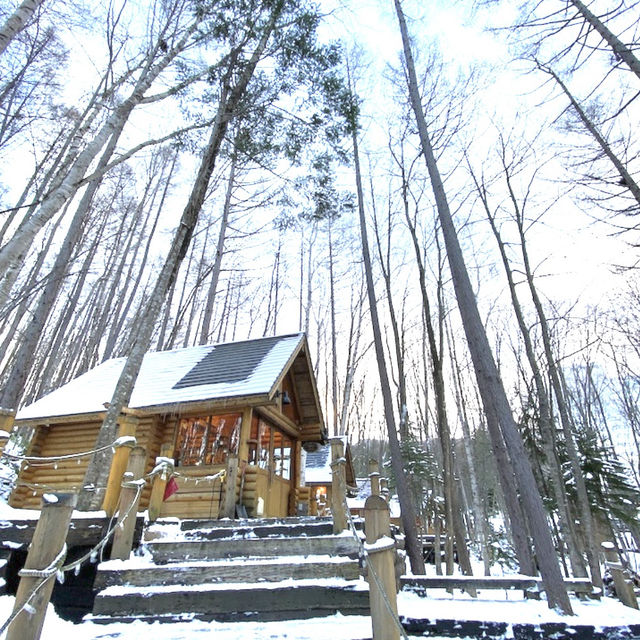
x,y
256,400
318,477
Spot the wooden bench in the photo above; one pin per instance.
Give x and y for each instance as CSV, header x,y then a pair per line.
x,y
530,585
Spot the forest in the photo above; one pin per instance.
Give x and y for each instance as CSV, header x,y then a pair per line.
x,y
443,196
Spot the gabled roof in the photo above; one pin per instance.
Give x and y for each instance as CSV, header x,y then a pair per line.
x,y
171,379
317,469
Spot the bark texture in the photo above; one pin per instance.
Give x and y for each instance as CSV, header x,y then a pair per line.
x,y
489,383
17,21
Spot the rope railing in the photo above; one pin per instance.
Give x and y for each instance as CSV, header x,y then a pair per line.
x,y
123,441
26,605
165,468
57,567
364,555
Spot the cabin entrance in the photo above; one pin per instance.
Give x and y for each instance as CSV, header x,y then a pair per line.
x,y
202,447
270,461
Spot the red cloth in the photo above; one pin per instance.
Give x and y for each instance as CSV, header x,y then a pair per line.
x,y
170,489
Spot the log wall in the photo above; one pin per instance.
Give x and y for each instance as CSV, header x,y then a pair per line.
x,y
67,475
197,497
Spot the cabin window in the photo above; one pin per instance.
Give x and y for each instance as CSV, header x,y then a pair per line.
x,y
270,448
282,447
207,440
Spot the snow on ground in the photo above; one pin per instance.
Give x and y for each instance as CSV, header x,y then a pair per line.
x,y
336,627
491,605
510,606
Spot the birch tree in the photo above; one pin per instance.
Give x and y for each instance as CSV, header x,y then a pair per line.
x,y
171,40
275,30
17,21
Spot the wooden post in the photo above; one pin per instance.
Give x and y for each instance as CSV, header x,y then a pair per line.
x,y
374,477
128,426
313,502
46,545
339,485
7,418
231,477
295,480
245,434
6,425
624,588
380,549
384,489
125,529
159,484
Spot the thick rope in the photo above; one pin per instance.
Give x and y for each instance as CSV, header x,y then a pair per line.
x,y
56,567
48,571
124,441
44,575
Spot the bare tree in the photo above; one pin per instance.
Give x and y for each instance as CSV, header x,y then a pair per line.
x,y
490,385
413,545
17,21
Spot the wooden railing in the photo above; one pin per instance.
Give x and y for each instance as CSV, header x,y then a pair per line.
x,y
530,585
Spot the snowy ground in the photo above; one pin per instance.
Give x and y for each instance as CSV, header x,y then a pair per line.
x,y
491,605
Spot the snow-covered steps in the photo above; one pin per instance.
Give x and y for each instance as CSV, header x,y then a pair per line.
x,y
234,570
257,528
164,551
140,574
284,600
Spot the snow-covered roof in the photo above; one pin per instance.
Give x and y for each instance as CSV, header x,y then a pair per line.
x,y
318,465
193,374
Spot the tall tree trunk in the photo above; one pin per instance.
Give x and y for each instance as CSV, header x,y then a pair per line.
x,y
489,383
13,252
480,523
454,525
547,427
620,50
17,21
353,357
61,330
412,544
12,391
584,508
231,96
205,331
385,267
334,341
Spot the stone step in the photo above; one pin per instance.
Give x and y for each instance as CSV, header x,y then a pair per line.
x,y
165,551
262,528
276,601
139,574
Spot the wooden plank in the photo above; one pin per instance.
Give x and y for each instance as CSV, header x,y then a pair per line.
x,y
259,547
244,570
464,582
578,585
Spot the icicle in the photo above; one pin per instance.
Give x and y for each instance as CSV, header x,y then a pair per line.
x,y
60,576
76,570
94,556
55,465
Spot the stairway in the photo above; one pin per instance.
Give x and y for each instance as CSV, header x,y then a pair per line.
x,y
272,569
